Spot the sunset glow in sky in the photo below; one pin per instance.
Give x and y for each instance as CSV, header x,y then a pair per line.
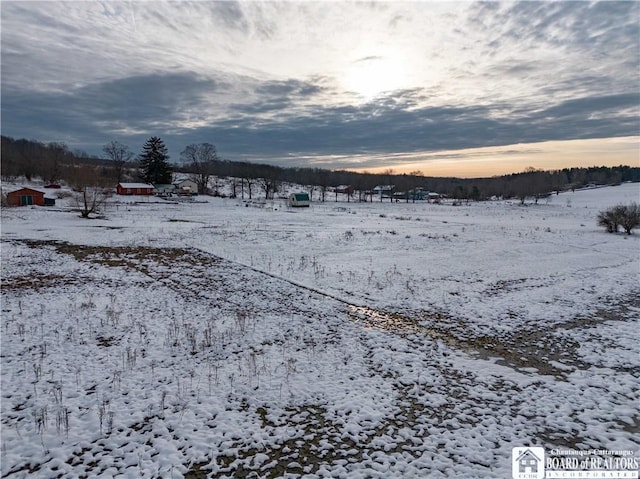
x,y
464,89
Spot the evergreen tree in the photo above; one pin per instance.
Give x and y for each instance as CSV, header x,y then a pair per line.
x,y
154,162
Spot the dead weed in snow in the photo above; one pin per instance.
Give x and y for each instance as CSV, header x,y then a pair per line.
x,y
316,438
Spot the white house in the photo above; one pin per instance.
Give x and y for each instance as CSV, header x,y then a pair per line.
x,y
185,186
384,191
299,199
434,198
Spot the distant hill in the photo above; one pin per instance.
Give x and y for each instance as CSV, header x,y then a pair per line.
x,y
54,162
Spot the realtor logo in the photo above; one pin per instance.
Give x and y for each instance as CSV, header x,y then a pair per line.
x,y
527,463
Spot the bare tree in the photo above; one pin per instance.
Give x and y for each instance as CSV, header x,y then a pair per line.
x,y
201,158
53,168
245,172
90,192
630,216
234,187
119,155
269,185
91,199
249,181
269,178
627,216
322,180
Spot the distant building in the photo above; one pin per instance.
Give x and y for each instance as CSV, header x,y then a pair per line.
x,y
185,186
134,189
434,197
417,194
384,191
164,190
25,197
299,199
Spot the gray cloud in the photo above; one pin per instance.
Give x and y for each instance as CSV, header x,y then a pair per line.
x,y
155,104
498,74
231,15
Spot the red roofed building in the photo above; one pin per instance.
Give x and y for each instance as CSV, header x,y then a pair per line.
x,y
134,189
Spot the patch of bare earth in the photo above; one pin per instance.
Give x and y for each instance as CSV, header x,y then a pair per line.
x,y
319,439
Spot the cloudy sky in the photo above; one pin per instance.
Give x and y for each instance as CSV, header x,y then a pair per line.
x,y
444,87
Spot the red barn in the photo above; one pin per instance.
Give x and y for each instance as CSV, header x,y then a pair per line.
x,y
25,197
134,189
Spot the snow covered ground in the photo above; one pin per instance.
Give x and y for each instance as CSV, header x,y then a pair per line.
x,y
220,338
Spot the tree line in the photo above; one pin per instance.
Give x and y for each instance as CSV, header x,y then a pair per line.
x,y
55,162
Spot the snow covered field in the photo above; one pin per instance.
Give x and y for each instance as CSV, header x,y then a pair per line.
x,y
224,339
